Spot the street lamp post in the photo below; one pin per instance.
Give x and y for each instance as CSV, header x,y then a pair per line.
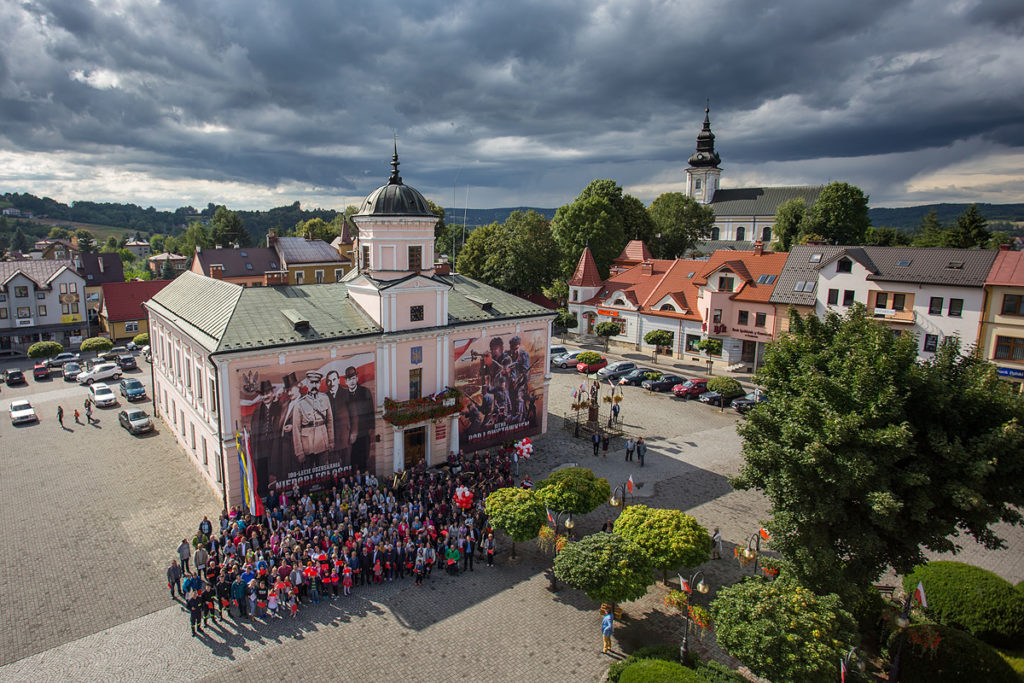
x,y
848,661
619,500
700,587
753,549
903,620
569,523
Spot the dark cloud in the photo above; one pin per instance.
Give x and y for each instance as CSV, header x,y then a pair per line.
x,y
526,101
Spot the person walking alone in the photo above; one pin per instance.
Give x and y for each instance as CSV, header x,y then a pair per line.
x,y
604,446
641,450
88,412
607,624
60,416
716,544
174,579
596,442
78,417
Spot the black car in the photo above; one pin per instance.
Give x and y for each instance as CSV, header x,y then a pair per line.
x,y
663,383
634,377
15,377
61,358
113,354
743,404
127,362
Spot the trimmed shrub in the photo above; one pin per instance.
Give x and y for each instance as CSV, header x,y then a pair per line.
x,y
933,653
589,357
659,671
44,349
97,344
715,672
668,653
141,339
971,599
729,387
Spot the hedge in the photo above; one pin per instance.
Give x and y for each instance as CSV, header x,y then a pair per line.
x,y
668,653
933,653
97,344
715,672
141,339
589,357
729,387
659,671
971,599
44,349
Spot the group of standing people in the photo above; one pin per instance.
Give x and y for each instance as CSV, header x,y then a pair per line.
x,y
363,531
600,441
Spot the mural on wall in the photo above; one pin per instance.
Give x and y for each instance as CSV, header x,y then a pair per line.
x,y
307,420
502,382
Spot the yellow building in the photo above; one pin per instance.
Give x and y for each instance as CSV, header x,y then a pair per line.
x,y
1001,337
309,261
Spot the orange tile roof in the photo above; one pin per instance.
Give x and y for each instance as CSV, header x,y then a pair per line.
x,y
644,290
586,274
635,252
748,266
1007,270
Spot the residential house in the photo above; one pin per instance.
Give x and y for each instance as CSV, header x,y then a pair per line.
x,y
41,301
122,316
246,266
139,247
156,263
98,269
308,260
1001,339
55,248
345,244
393,367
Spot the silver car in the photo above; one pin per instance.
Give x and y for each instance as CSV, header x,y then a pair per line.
x,y
135,421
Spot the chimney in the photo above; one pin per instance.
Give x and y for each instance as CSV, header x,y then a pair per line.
x,y
100,261
1005,247
217,271
758,248
647,268
271,238
442,267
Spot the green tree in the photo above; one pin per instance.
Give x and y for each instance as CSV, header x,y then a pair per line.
x,y
782,631
930,231
439,228
86,242
517,512
44,349
110,246
662,339
906,450
557,291
840,214
789,216
196,235
58,233
19,242
317,229
126,256
529,255
98,344
607,567
606,330
575,490
141,339
671,538
594,218
886,237
565,321
680,221
141,273
156,243
476,259
226,229
167,272
172,245
969,232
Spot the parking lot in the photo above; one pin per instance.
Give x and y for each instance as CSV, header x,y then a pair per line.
x,y
88,513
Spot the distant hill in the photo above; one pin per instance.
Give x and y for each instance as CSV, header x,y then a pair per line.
x,y
909,217
478,217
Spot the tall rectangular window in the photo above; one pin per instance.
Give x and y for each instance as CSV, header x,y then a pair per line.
x,y
833,297
848,297
899,301
319,276
416,258
299,277
213,396
743,318
42,310
931,342
716,315
366,257
935,305
882,300
760,319
725,284
415,383
956,307
338,274
21,292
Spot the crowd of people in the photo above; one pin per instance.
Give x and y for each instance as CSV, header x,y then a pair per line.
x,y
322,546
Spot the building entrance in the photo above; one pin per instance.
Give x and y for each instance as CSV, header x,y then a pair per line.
x,y
749,351
415,446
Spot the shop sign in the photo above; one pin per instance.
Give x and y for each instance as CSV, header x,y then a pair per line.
x,y
25,322
1014,373
605,311
73,318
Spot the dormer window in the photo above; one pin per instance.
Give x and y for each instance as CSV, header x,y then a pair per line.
x,y
844,265
618,302
668,307
725,283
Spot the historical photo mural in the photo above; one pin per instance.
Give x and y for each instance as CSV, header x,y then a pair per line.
x,y
501,377
308,420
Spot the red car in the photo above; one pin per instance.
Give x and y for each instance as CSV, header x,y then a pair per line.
x,y
593,367
691,388
41,371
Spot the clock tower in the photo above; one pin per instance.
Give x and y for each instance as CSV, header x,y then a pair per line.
x,y
703,173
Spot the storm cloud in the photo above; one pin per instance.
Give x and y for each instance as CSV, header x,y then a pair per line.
x,y
262,103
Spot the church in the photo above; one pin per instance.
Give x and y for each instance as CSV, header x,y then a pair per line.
x,y
401,362
743,215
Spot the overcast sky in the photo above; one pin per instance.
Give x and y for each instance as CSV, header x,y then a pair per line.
x,y
260,103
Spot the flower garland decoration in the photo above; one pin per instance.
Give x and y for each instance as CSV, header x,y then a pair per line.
x,y
677,600
401,413
699,616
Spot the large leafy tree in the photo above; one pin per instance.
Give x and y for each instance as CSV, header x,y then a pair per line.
x,y
529,257
869,457
477,259
788,218
227,229
603,218
671,538
573,489
782,631
440,228
84,239
607,567
839,215
679,222
517,512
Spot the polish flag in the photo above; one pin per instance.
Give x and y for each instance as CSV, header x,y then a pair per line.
x,y
765,535
919,595
629,484
842,671
685,585
550,518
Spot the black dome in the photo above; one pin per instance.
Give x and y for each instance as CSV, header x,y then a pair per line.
x,y
395,198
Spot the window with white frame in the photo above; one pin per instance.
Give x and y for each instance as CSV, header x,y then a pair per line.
x,y
131,326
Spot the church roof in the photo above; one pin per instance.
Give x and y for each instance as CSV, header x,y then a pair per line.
x,y
395,198
760,201
705,156
586,274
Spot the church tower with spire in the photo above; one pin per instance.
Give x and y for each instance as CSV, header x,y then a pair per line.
x,y
703,173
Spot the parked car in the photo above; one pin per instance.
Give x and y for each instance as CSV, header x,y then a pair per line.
x,y
146,354
557,351
713,398
691,388
135,421
98,372
22,411
70,371
743,404
592,367
616,370
41,371
635,377
60,359
132,389
114,353
566,359
127,362
15,376
101,395
663,383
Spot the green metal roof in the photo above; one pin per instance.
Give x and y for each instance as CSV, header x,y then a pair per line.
x,y
204,303
760,201
472,301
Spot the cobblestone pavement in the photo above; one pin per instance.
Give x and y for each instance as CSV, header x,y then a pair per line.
x,y
493,624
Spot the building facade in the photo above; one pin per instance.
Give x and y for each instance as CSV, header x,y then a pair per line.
x,y
123,315
396,365
1001,338
41,301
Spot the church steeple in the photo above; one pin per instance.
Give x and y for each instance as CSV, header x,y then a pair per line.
x,y
705,156
703,174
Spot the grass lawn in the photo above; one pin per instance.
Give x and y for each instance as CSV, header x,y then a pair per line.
x,y
1015,658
